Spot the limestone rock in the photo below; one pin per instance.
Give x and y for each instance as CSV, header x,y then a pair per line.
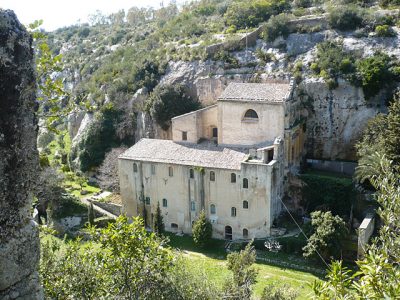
x,y
19,240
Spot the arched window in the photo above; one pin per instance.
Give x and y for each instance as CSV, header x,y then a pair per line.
x,y
228,232
192,206
164,202
212,176
174,225
191,173
250,115
245,233
245,204
233,212
212,209
245,183
135,168
170,171
233,177
153,169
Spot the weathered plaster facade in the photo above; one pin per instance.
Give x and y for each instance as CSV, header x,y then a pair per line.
x,y
229,159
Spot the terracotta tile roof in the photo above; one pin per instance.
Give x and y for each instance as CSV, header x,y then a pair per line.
x,y
170,152
264,92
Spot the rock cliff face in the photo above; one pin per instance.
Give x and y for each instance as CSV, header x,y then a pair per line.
x,y
19,240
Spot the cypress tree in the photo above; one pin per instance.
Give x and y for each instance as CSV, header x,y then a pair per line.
x,y
158,223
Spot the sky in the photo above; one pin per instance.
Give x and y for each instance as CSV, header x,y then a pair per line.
x,y
57,14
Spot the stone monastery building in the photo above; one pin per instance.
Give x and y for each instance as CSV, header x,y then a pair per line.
x,y
230,159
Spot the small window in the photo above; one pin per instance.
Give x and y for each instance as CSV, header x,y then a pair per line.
x,y
191,173
153,169
245,233
184,135
233,177
245,204
192,206
233,212
147,200
245,183
215,132
135,168
170,171
164,202
174,225
251,115
212,176
212,209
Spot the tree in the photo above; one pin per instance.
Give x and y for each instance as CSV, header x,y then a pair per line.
x,y
378,276
243,274
202,230
158,224
91,214
168,101
107,173
328,233
136,261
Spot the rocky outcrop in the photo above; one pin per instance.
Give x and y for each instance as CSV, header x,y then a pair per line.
x,y
335,118
19,240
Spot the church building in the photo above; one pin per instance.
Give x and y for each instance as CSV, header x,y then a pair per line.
x,y
230,159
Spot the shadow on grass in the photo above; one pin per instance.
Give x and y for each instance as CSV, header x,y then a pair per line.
x,y
214,249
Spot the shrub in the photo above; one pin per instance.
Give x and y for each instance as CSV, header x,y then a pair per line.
x,y
279,292
347,17
375,73
202,230
276,26
264,56
327,237
384,31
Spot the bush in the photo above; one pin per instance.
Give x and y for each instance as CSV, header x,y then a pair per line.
x,y
279,292
202,230
264,56
384,31
347,17
276,26
375,73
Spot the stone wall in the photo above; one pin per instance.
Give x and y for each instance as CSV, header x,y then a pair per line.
x,y
19,240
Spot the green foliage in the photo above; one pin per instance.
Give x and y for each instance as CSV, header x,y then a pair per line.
x,y
98,140
158,223
328,233
135,261
202,230
227,58
347,17
264,56
381,137
327,192
44,160
279,292
276,26
251,13
384,31
167,101
386,3
244,274
375,72
378,276
67,206
333,62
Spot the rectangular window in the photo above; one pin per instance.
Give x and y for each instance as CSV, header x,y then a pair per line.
x,y
164,202
170,171
192,206
184,135
153,169
147,200
215,132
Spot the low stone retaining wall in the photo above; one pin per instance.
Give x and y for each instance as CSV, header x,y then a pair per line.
x,y
112,208
342,167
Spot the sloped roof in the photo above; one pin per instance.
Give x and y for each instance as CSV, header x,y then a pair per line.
x,y
263,92
170,152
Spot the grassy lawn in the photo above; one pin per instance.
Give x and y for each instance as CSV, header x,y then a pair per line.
x,y
212,260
